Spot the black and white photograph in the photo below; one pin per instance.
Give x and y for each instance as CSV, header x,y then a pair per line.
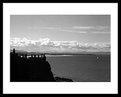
x,y
60,48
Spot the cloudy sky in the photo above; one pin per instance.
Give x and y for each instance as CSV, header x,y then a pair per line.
x,y
60,33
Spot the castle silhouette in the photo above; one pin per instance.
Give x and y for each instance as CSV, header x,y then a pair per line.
x,y
34,68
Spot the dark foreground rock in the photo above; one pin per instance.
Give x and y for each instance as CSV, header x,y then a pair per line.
x,y
59,79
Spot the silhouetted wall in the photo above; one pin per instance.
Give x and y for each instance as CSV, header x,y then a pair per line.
x,y
32,69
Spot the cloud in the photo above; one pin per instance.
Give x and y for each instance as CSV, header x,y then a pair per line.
x,y
44,28
76,29
44,41
47,45
100,32
19,42
90,27
83,27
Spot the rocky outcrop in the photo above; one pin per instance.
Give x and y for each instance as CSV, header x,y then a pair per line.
x,y
60,79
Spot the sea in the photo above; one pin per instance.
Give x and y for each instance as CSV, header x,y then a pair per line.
x,y
81,68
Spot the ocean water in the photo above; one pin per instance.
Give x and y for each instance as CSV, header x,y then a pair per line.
x,y
81,68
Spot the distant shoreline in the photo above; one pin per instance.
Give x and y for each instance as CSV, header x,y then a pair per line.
x,y
63,54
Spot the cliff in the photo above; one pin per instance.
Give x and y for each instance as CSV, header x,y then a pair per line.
x,y
33,69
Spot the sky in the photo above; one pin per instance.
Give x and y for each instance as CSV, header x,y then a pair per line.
x,y
60,33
